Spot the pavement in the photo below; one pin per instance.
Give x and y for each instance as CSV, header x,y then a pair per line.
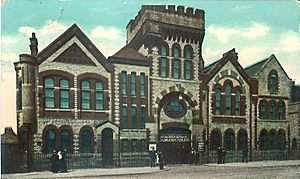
x,y
259,164
106,172
81,173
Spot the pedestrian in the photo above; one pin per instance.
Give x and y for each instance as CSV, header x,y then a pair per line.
x,y
63,162
54,162
156,158
152,157
245,154
161,161
59,155
193,156
219,153
224,152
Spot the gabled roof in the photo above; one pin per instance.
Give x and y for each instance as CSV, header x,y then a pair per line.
x,y
207,68
214,68
256,68
128,55
71,32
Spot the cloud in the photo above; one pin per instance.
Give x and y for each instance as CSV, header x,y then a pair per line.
x,y
106,33
222,33
241,8
289,42
27,30
225,34
255,30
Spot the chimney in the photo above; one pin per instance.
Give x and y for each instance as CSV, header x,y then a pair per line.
x,y
33,45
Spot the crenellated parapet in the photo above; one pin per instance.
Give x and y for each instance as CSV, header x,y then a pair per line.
x,y
166,21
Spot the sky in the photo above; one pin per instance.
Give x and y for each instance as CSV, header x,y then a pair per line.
x,y
256,29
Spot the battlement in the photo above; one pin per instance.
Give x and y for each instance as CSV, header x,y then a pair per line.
x,y
180,10
170,9
170,14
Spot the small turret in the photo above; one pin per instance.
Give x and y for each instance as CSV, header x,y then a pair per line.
x,y
33,45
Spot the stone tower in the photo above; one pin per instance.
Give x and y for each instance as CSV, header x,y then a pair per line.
x,y
26,70
156,24
171,37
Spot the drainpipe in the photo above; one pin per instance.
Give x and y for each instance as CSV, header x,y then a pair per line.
x,y
207,123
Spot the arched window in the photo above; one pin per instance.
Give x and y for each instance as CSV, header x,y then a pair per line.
x,y
86,141
85,95
64,89
188,64
218,101
272,109
273,81
163,61
99,95
281,139
229,139
124,117
176,63
133,117
280,110
143,117
272,140
65,140
133,83
263,139
50,140
237,103
124,83
215,139
49,93
262,109
242,140
227,99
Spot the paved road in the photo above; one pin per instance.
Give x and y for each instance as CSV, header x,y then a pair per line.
x,y
225,172
251,170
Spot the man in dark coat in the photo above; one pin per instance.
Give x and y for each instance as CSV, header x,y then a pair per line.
x,y
63,161
152,157
54,162
219,153
224,152
161,161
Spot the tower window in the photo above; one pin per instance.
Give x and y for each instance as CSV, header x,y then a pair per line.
x,y
133,83
124,83
142,84
163,62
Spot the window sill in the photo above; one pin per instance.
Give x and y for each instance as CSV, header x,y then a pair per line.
x,y
272,120
58,109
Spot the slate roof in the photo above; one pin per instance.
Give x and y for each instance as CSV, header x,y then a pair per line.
x,y
207,68
129,56
129,53
255,68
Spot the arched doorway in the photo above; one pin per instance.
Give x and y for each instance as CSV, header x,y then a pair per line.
x,y
107,147
175,145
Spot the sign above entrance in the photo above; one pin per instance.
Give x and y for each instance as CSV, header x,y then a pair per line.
x,y
175,138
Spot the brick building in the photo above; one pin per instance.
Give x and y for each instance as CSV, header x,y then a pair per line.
x,y
154,91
